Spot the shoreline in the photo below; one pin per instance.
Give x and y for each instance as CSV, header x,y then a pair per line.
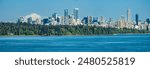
x,y
77,35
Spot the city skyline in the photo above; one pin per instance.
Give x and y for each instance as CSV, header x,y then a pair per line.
x,y
11,10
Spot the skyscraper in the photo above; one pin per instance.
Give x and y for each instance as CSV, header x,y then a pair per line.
x,y
66,17
54,15
136,19
62,20
148,20
121,22
128,15
76,13
101,20
95,19
29,20
110,20
89,20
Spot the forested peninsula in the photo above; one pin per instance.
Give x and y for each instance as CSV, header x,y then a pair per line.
x,y
7,28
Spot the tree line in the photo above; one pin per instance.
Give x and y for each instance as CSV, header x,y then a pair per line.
x,y
7,28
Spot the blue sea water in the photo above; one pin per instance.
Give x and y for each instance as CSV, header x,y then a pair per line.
x,y
102,43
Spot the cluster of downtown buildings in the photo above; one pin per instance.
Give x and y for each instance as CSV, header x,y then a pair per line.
x,y
73,19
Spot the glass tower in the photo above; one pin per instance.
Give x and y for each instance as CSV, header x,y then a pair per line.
x,y
76,13
128,15
136,19
66,16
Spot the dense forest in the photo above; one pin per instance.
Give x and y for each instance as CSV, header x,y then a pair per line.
x,y
45,30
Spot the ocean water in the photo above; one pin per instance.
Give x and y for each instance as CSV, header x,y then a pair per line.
x,y
102,43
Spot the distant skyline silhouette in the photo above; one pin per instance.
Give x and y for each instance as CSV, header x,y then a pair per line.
x,y
11,10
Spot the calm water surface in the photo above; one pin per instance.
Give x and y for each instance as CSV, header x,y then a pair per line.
x,y
102,43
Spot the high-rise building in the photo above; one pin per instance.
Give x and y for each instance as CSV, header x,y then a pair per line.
x,y
101,20
58,19
121,22
29,20
149,27
95,19
66,17
128,15
129,23
136,19
110,21
89,20
54,15
85,20
62,20
21,20
70,20
76,13
148,20
46,21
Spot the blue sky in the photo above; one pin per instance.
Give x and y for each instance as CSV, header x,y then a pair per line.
x,y
10,10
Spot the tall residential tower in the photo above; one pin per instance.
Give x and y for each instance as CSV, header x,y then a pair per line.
x,y
128,15
76,13
66,17
137,19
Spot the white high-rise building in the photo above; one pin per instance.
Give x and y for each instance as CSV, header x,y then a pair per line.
x,y
128,15
66,17
62,20
76,13
101,20
149,27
